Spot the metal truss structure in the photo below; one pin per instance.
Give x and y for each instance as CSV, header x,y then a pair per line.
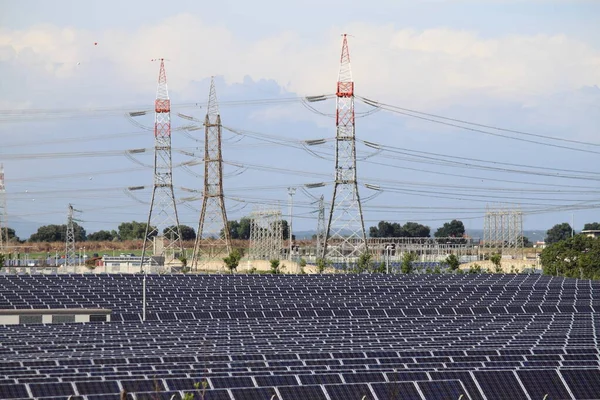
x,y
426,249
70,254
266,234
321,228
212,241
163,222
3,214
503,232
346,225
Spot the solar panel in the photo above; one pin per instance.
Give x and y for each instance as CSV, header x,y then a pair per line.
x,y
443,390
397,390
349,392
254,394
8,391
584,383
302,393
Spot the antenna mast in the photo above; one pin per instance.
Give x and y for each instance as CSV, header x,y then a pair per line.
x,y
345,238
163,222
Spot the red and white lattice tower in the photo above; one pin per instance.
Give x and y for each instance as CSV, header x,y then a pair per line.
x,y
163,221
345,238
3,213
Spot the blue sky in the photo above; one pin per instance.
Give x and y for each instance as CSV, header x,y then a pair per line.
x,y
531,66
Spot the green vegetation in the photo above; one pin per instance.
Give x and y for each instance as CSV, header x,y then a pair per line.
x,y
558,232
407,259
454,228
496,259
187,233
393,229
364,262
452,262
57,233
321,265
577,257
276,268
232,261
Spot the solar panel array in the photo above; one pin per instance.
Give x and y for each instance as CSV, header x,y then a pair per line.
x,y
307,337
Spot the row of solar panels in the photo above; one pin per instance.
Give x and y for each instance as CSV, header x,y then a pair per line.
x,y
500,384
297,295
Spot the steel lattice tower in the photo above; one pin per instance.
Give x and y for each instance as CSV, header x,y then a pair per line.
x,y
213,241
345,236
321,228
266,234
70,240
3,213
163,222
503,231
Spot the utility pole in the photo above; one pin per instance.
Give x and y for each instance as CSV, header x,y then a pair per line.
x,y
291,192
346,225
212,240
162,216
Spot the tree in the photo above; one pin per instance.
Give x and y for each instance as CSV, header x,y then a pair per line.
x,y
12,237
57,233
285,228
381,268
385,229
394,229
454,228
592,226
103,236
413,229
577,257
187,232
496,259
364,262
321,265
233,260
134,230
275,267
2,260
558,232
453,262
239,230
407,259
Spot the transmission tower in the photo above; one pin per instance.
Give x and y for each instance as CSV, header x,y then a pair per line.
x,y
503,231
345,236
321,228
213,241
266,234
3,214
70,253
163,222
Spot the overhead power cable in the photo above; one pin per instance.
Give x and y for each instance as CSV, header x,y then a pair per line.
x,y
456,125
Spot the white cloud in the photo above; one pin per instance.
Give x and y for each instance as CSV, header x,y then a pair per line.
x,y
416,68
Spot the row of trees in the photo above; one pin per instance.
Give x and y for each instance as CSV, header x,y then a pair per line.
x,y
131,231
241,230
564,231
454,228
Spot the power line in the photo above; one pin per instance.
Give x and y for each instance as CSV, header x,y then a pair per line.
x,y
430,119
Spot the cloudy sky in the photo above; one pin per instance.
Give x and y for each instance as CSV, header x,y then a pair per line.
x,y
526,71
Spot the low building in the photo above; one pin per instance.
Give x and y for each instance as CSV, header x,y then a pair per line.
x,y
593,233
